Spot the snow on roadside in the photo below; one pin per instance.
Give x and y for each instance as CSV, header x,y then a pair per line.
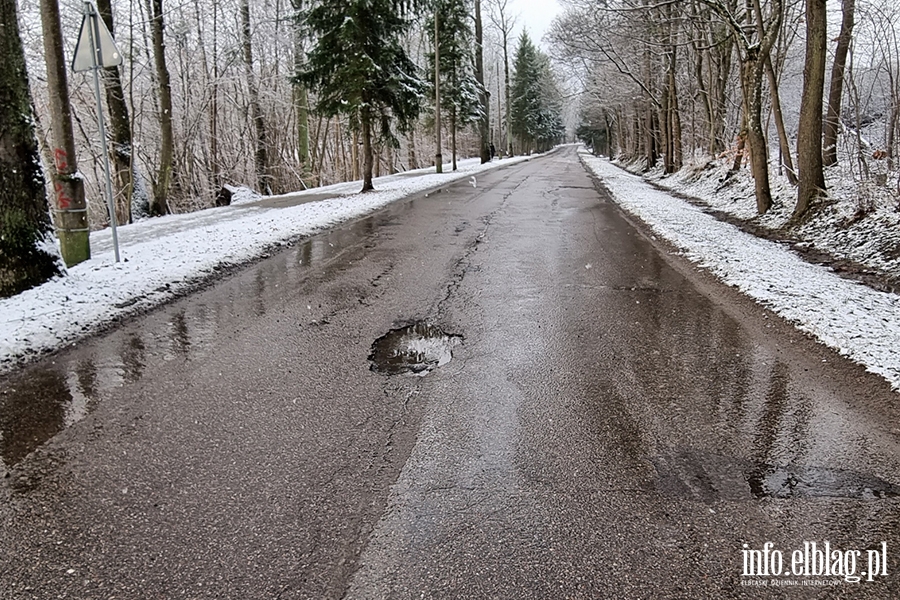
x,y
857,321
860,220
168,256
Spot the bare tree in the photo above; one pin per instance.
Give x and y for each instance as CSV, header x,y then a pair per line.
x,y
159,205
755,42
259,121
809,138
504,22
120,128
836,91
301,95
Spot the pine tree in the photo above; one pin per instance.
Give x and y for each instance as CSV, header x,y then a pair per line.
x,y
24,221
536,108
460,91
358,67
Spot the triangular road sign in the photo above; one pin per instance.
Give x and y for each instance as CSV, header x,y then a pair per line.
x,y
93,29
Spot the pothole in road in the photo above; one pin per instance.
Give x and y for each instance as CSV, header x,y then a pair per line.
x,y
418,348
767,481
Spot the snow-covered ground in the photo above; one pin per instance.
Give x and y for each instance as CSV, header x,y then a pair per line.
x,y
861,323
167,256
860,221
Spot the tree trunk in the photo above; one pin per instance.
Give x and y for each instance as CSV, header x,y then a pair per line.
x,y
301,97
438,158
120,128
214,105
368,157
484,121
453,134
71,207
665,134
354,156
263,176
159,204
509,143
672,124
25,227
809,139
677,149
751,80
720,88
411,150
836,92
783,143
741,142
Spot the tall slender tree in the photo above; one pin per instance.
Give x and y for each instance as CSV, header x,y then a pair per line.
x,y
836,90
460,91
26,255
757,34
120,129
300,94
263,176
159,204
358,67
809,137
484,123
504,21
68,186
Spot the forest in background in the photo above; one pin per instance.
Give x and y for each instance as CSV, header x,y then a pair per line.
x,y
274,95
219,104
280,95
789,88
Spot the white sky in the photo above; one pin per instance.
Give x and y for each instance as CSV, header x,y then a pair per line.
x,y
535,15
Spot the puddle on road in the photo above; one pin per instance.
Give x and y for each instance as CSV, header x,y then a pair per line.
x,y
767,481
711,477
42,399
418,348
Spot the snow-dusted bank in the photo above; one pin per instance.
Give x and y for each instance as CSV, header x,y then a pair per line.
x,y
168,256
859,322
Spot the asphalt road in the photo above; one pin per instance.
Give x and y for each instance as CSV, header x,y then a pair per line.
x,y
613,424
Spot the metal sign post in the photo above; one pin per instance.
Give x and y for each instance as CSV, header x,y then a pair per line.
x,y
96,49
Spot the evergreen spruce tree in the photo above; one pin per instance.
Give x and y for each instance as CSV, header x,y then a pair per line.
x,y
460,91
358,67
536,106
25,258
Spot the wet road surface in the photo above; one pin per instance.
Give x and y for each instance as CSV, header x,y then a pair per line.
x,y
612,423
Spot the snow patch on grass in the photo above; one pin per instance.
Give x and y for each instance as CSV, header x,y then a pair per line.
x,y
858,221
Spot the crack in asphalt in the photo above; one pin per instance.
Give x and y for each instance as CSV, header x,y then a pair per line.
x,y
463,264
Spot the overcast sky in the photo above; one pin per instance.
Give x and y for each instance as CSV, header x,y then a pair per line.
x,y
536,15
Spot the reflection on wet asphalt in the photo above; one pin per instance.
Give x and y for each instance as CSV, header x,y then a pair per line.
x,y
606,422
39,401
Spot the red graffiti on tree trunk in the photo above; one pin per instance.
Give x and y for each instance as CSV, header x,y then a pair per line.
x,y
63,201
61,158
